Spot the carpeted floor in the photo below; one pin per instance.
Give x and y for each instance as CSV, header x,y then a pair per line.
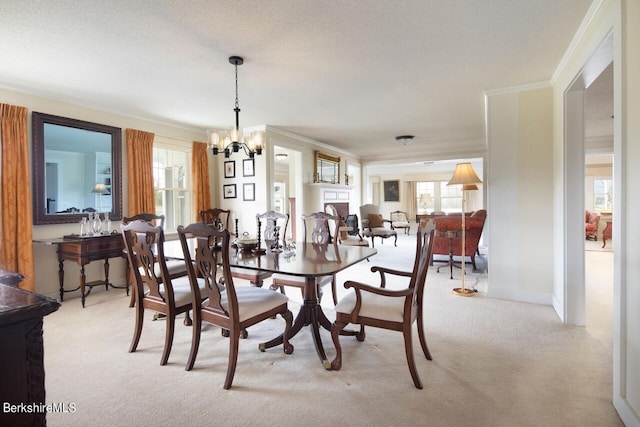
x,y
495,363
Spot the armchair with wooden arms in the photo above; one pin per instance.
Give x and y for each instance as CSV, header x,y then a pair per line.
x,y
392,309
373,225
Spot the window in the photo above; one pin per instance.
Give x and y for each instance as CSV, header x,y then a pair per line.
x,y
426,188
450,197
172,183
602,195
444,198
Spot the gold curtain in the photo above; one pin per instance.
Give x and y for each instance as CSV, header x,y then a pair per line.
x,y
15,210
140,171
201,188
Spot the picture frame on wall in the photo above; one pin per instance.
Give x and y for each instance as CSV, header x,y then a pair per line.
x,y
391,190
248,167
249,192
229,191
230,169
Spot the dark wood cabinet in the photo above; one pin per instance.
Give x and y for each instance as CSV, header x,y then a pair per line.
x,y
22,393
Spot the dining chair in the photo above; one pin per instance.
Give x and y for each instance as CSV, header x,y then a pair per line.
x,y
271,225
176,268
318,229
392,309
214,215
144,244
229,307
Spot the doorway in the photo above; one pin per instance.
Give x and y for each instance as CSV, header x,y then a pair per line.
x,y
577,144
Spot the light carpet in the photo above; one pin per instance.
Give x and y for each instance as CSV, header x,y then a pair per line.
x,y
495,363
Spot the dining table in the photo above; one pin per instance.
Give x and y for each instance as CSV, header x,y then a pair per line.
x,y
307,260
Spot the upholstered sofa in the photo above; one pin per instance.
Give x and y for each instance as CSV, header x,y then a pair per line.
x,y
447,242
592,221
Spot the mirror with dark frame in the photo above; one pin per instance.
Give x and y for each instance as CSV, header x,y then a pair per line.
x,y
77,168
327,168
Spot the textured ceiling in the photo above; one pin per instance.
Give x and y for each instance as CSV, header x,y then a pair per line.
x,y
353,74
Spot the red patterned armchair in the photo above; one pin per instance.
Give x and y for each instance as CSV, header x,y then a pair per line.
x,y
592,221
451,225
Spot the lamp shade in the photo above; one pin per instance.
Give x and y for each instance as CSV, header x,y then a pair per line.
x,y
464,174
100,189
425,199
469,187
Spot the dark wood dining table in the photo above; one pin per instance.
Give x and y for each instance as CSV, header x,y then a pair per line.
x,y
309,261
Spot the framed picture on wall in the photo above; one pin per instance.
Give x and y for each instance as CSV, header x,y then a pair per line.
x,y
230,169
391,191
229,191
249,192
248,167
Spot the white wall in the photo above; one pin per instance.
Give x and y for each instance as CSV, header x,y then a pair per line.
x,y
519,194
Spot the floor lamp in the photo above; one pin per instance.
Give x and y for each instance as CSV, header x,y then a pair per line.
x,y
100,189
466,176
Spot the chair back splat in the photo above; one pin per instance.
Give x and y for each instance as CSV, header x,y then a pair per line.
x,y
167,295
270,225
233,309
319,227
392,309
216,216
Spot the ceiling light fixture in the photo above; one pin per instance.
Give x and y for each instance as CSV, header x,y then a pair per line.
x,y
404,139
281,156
234,140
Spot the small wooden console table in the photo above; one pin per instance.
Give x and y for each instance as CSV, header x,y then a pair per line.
x,y
83,250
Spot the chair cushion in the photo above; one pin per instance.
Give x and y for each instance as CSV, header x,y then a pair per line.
x,y
373,305
381,231
354,241
253,301
182,290
400,224
174,268
375,220
320,281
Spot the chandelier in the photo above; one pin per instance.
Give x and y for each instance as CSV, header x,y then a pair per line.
x,y
233,140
